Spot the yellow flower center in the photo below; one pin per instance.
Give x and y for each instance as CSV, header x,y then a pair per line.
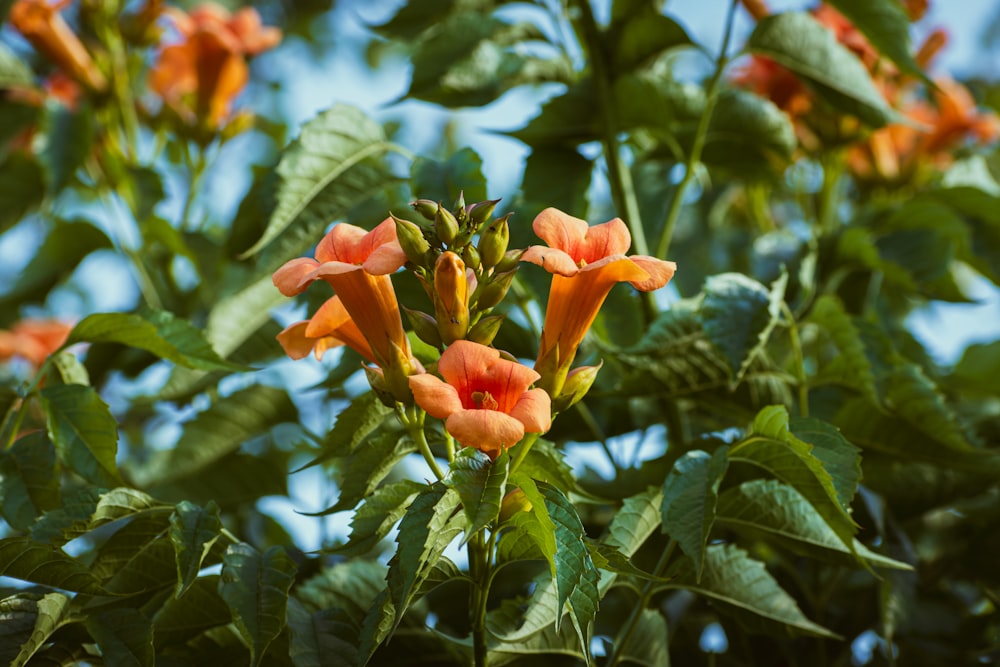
x,y
484,400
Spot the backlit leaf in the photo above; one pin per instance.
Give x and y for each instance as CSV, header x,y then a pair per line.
x,y
481,483
28,485
23,559
48,614
193,531
84,432
690,494
887,27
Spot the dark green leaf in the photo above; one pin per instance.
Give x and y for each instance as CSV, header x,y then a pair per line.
x,y
368,466
646,35
18,614
125,637
850,365
979,369
351,585
199,609
557,176
155,331
45,565
444,181
255,586
231,481
609,558
886,26
353,425
747,131
193,531
22,188
28,484
690,494
547,464
376,516
322,638
91,508
797,41
566,119
37,619
83,431
637,519
647,645
69,140
839,457
481,483
138,557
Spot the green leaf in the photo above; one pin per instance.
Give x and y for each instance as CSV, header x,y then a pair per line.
x,y
886,26
125,637
23,559
14,72
547,464
376,516
155,331
850,365
979,369
742,587
18,614
557,176
231,481
481,483
368,466
351,585
69,139
89,509
255,586
28,483
318,173
322,638
138,557
575,574
738,315
38,619
353,425
66,245
772,509
638,518
22,188
84,432
70,369
507,644
747,131
428,527
235,318
609,558
566,119
839,457
407,23
444,181
771,446
646,35
542,528
797,41
199,609
690,494
193,531
647,645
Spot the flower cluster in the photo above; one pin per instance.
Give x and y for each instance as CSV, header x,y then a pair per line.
x,y
461,258
43,26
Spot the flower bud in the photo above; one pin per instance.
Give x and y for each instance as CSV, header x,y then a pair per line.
x,y
471,257
411,240
577,384
242,121
426,208
491,293
445,224
424,326
485,330
515,501
379,387
510,260
481,211
451,297
493,242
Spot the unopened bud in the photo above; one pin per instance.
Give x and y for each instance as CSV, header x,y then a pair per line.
x,y
515,501
411,240
379,387
471,257
510,260
423,325
481,211
241,122
577,384
426,208
485,330
451,297
491,293
445,224
460,203
493,242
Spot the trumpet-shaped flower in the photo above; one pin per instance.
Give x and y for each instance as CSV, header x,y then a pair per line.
x,y
484,399
357,265
43,26
330,327
33,340
586,262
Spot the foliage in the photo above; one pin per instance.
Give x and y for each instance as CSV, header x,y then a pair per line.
x,y
763,453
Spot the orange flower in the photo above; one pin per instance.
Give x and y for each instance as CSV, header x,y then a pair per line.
x,y
586,263
43,26
484,399
33,340
357,265
209,64
330,327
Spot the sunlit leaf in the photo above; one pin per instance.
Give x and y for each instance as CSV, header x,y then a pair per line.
x,y
13,71
887,27
84,432
481,483
690,494
125,637
255,586
193,531
37,619
376,516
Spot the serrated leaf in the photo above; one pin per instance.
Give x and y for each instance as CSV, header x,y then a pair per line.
x,y
155,331
850,365
771,446
125,637
744,588
481,483
609,558
444,181
28,484
22,188
797,41
312,167
839,457
138,557
638,518
738,315
91,508
542,529
424,532
255,586
321,638
887,27
47,613
690,493
353,425
644,36
366,468
547,464
199,609
647,645
376,516
352,585
193,531
23,559
773,509
83,431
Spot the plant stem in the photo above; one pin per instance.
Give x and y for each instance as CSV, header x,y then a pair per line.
x,y
413,420
8,428
694,157
800,365
480,566
522,450
625,634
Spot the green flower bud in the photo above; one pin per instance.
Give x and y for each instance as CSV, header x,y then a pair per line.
x,y
471,257
493,241
445,224
577,384
423,325
515,501
481,211
426,208
379,387
491,293
485,330
412,240
510,260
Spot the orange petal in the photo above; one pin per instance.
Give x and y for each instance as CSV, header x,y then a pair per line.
x,y
534,410
294,341
293,277
340,244
486,430
439,399
660,272
606,239
560,230
552,260
331,316
463,364
385,259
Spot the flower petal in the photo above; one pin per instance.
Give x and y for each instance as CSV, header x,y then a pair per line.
x,y
552,260
331,316
294,341
561,230
437,398
606,239
385,259
486,430
293,277
534,410
463,363
660,272
341,244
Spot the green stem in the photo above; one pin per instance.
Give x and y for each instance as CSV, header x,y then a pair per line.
x,y
625,634
833,167
413,420
800,364
8,428
123,93
522,451
196,166
694,157
619,176
481,569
